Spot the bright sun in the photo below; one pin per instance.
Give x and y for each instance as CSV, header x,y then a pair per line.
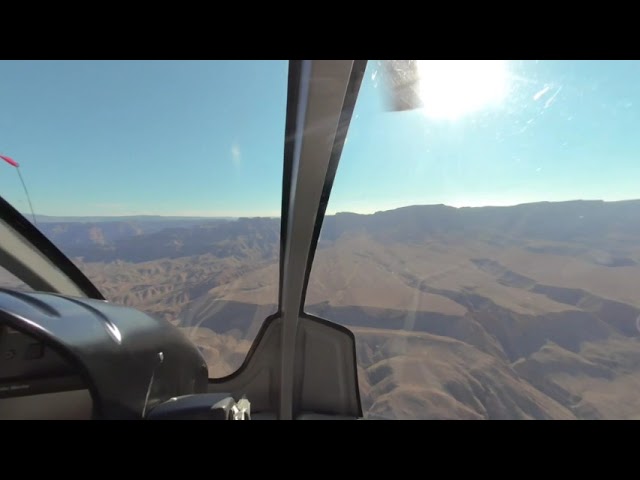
x,y
451,89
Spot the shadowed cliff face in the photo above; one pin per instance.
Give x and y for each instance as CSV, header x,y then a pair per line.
x,y
478,313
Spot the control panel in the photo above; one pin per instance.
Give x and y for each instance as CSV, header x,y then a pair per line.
x,y
27,367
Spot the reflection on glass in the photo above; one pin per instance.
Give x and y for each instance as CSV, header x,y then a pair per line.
x,y
484,249
8,280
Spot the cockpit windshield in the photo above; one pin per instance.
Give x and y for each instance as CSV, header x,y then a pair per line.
x,y
484,248
160,179
482,245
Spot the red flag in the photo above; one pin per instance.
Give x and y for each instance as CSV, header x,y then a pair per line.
x,y
10,161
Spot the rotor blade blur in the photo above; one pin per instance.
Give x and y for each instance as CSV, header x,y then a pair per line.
x,y
401,83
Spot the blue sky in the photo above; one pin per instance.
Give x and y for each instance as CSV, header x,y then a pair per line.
x,y
206,138
174,138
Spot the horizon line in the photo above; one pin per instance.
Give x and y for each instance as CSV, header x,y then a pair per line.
x,y
337,212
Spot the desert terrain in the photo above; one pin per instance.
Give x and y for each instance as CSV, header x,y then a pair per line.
x,y
523,312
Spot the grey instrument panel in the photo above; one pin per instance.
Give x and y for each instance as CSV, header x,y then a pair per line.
x,y
36,383
71,405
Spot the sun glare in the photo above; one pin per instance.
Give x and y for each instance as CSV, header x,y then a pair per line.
x,y
451,89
